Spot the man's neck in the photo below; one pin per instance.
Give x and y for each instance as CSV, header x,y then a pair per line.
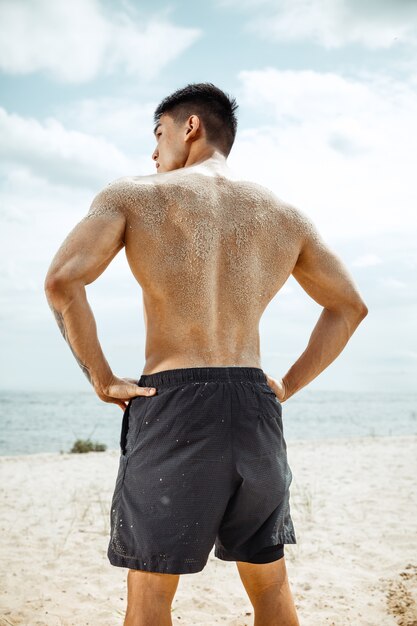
x,y
215,163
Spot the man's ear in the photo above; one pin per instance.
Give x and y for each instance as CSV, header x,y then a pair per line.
x,y
194,127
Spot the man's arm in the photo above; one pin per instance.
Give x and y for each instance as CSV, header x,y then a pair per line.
x,y
83,256
321,273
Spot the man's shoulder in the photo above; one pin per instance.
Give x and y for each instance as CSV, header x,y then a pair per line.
x,y
292,218
110,200
118,194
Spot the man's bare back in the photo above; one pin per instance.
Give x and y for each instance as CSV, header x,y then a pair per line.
x,y
209,253
209,250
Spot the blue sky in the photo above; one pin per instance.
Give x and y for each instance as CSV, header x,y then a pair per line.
x,y
327,94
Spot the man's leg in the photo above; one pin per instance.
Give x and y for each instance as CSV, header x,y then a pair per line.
x,y
269,592
149,598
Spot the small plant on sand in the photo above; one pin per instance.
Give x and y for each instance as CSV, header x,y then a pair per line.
x,y
86,445
306,501
303,501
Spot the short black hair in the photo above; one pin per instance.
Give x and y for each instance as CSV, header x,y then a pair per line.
x,y
215,108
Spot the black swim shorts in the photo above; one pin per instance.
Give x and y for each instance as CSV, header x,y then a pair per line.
x,y
203,461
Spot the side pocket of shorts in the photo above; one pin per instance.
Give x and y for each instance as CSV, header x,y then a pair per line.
x,y
274,405
134,419
125,428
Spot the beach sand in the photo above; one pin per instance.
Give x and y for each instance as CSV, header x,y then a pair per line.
x,y
354,507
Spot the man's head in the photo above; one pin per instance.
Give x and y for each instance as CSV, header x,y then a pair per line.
x,y
191,123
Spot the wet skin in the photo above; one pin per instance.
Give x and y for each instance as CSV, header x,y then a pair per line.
x,y
209,251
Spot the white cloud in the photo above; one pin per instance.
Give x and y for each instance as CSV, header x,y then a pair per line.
x,y
143,53
341,149
122,121
367,260
27,198
294,96
125,122
75,41
59,154
333,23
393,283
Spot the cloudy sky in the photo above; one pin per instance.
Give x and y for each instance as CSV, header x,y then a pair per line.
x,y
327,94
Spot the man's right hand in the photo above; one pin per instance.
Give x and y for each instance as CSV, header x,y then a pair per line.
x,y
120,390
278,386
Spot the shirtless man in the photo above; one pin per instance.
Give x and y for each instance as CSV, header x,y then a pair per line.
x,y
203,457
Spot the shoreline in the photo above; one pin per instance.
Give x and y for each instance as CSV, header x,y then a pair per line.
x,y
290,443
353,503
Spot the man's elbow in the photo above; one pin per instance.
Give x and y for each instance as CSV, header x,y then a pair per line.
x,y
362,309
54,283
49,284
358,310
353,310
57,286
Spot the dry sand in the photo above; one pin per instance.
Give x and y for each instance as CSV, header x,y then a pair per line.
x,y
353,507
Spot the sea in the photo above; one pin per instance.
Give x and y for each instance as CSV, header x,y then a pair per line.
x,y
37,422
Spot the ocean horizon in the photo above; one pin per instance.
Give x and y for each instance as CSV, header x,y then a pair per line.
x,y
37,422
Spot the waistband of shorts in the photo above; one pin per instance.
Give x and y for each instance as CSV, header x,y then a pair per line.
x,y
202,374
